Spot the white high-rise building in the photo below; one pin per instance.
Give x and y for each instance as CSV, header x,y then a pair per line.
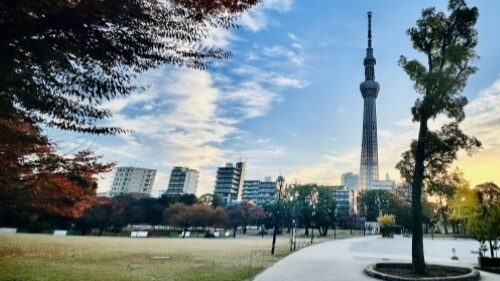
x,y
259,192
133,180
182,180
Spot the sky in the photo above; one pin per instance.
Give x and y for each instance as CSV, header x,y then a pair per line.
x,y
288,102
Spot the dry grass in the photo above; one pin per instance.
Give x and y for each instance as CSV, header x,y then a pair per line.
x,y
44,257
26,257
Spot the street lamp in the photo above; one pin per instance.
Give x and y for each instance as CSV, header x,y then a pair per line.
x,y
280,182
312,223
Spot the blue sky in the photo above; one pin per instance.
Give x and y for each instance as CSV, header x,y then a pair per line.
x,y
288,102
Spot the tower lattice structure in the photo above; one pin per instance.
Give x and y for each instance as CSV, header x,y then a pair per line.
x,y
369,90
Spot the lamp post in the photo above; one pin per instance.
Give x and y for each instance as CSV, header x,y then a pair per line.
x,y
293,239
312,224
280,182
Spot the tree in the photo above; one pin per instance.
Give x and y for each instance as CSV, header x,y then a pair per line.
x,y
448,44
444,187
152,210
188,199
35,178
220,218
104,214
243,214
305,199
486,215
213,200
325,211
217,201
133,213
60,59
206,198
374,203
180,215
462,205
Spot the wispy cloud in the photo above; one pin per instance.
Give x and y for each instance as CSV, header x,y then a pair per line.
x,y
270,77
257,18
251,99
293,56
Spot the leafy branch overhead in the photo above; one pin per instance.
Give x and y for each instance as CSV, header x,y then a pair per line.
x,y
61,59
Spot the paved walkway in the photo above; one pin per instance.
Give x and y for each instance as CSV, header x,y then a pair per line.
x,y
346,259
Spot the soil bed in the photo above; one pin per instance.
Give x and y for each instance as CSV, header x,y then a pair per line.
x,y
408,272
404,271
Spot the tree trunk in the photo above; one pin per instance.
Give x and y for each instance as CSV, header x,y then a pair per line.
x,y
184,232
234,231
491,250
306,233
418,260
445,222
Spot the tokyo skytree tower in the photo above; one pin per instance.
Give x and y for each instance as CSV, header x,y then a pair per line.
x,y
369,89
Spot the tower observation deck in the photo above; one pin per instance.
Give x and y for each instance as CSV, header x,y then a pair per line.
x,y
369,90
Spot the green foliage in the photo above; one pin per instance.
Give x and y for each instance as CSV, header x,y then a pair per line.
x,y
325,216
309,205
441,148
484,222
372,203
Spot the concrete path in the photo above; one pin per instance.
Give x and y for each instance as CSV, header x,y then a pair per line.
x,y
346,259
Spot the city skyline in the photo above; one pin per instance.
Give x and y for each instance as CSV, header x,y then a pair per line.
x,y
288,102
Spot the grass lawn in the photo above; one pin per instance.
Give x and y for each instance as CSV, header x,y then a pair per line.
x,y
26,257
45,257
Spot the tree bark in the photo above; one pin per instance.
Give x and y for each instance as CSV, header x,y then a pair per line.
x,y
445,222
184,232
418,260
491,249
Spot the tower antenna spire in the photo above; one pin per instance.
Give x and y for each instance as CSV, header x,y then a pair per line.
x,y
369,29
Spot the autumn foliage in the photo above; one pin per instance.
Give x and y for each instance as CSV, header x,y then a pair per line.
x,y
35,178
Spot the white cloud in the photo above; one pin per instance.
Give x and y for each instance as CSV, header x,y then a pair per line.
x,y
256,19
218,37
270,77
281,51
292,36
263,140
253,100
252,57
483,117
284,81
278,5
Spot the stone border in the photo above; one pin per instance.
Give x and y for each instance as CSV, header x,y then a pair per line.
x,y
469,274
